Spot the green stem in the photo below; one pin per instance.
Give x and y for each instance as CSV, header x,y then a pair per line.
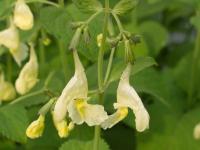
x,y
97,133
194,69
109,65
62,57
9,68
93,16
119,24
27,96
102,48
41,91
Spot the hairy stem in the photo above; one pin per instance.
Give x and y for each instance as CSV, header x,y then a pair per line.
x,y
97,133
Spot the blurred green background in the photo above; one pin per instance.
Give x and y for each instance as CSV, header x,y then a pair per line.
x,y
169,32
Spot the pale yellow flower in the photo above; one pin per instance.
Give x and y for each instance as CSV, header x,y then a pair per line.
x,y
196,132
127,97
10,37
36,128
74,100
23,17
62,128
28,75
7,90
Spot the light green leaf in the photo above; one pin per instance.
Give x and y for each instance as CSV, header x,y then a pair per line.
x,y
124,6
80,145
88,5
140,64
13,123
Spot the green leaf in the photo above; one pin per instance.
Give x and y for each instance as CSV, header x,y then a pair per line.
x,y
80,145
56,21
5,8
88,5
140,64
124,6
155,42
13,123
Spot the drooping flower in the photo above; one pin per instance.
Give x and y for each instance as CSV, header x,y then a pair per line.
x,y
127,97
23,17
10,39
74,100
28,75
7,90
196,132
36,128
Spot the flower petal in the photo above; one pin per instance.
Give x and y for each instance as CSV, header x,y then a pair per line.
x,y
76,88
36,128
115,118
142,119
28,75
20,53
10,37
23,17
80,111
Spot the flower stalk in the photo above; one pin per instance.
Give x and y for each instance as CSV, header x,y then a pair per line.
x,y
97,133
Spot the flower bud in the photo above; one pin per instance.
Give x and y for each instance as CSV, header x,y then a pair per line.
x,y
23,17
36,128
28,75
7,90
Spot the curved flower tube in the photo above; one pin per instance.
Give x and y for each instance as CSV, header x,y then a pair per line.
x,y
23,17
74,100
127,97
28,75
7,90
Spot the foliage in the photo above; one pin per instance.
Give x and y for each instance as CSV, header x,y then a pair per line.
x,y
162,73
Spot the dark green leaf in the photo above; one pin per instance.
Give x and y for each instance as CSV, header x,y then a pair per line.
x,y
13,123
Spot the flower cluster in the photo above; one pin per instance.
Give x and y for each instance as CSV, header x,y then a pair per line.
x,y
73,104
23,19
